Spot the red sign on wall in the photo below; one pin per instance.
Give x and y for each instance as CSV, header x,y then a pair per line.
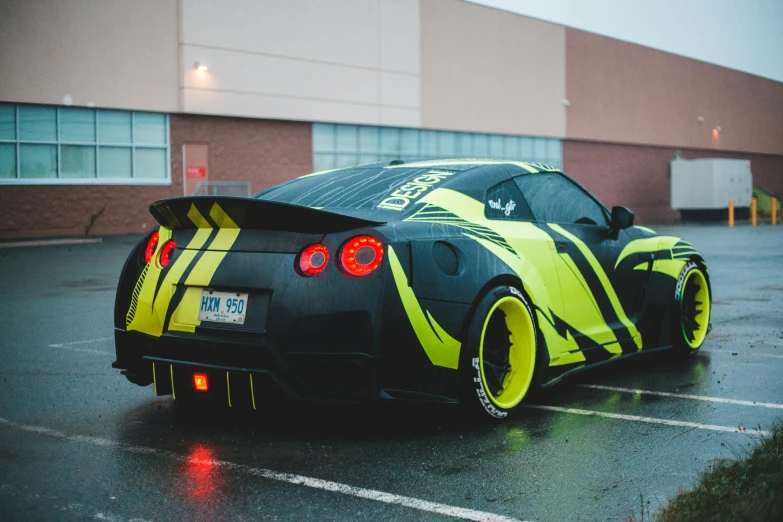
x,y
196,172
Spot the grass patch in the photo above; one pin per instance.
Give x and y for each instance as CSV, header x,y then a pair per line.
x,y
749,487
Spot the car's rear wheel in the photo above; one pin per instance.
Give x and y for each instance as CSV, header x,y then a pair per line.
x,y
499,357
693,301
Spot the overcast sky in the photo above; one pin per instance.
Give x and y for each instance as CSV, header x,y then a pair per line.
x,y
741,34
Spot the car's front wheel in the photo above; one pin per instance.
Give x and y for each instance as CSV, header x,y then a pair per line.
x,y
693,306
499,357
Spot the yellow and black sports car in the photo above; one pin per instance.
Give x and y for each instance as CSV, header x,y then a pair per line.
x,y
451,281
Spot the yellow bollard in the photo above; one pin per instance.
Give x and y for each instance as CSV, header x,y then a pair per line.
x,y
731,212
774,211
753,204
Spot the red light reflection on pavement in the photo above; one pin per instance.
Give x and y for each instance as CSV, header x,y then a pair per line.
x,y
201,474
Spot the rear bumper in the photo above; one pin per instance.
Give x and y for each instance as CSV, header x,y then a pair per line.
x,y
247,373
169,361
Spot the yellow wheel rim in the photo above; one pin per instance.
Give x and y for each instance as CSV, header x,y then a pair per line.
x,y
507,365
695,309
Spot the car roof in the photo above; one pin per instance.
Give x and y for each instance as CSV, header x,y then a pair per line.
x,y
461,164
385,191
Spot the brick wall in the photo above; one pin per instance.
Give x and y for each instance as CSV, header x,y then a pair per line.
x,y
264,152
637,176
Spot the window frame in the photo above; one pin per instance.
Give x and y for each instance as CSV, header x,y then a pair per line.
x,y
580,188
97,144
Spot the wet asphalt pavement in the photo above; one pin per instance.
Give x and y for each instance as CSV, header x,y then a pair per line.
x,y
79,442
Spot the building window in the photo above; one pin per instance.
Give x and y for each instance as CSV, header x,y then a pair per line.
x,y
74,145
338,146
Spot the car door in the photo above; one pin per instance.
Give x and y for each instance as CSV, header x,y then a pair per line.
x,y
598,316
508,214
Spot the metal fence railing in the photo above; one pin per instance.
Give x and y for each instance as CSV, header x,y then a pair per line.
x,y
223,188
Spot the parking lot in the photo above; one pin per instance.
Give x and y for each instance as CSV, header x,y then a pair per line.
x,y
77,441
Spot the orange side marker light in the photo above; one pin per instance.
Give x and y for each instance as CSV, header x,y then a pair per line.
x,y
200,382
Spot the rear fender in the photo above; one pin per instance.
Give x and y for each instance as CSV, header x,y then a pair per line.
x,y
131,270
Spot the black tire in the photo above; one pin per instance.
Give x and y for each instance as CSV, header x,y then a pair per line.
x,y
692,309
498,359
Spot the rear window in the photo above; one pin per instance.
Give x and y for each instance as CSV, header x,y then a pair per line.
x,y
393,189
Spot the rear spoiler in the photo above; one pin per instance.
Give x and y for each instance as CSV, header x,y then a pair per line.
x,y
236,212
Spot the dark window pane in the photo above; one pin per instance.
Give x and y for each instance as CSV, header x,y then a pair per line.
x,y
77,161
150,128
114,126
77,124
7,161
409,142
347,138
369,140
323,137
554,199
505,202
38,161
37,123
323,162
115,162
7,121
150,163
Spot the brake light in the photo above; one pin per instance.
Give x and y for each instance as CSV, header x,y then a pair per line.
x,y
361,255
166,253
200,382
313,260
151,244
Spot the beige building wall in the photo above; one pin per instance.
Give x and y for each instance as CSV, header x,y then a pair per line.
x,y
353,61
486,70
623,92
111,53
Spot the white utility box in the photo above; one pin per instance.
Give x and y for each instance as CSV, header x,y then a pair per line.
x,y
710,183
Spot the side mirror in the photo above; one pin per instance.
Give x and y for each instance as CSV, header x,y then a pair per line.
x,y
622,218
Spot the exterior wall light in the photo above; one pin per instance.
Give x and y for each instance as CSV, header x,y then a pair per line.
x,y
201,67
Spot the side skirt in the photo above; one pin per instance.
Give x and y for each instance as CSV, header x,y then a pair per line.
x,y
601,363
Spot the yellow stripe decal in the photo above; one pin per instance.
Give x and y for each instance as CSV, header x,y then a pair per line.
x,y
649,244
154,381
150,318
171,372
228,389
252,393
440,347
185,316
607,285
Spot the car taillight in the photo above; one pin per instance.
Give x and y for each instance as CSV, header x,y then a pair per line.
x,y
361,255
166,253
313,260
151,244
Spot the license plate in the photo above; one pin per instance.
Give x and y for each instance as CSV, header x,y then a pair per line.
x,y
222,307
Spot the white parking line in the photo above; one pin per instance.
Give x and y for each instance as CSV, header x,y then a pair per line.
x,y
84,350
72,343
73,346
683,396
109,517
743,354
649,420
326,485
